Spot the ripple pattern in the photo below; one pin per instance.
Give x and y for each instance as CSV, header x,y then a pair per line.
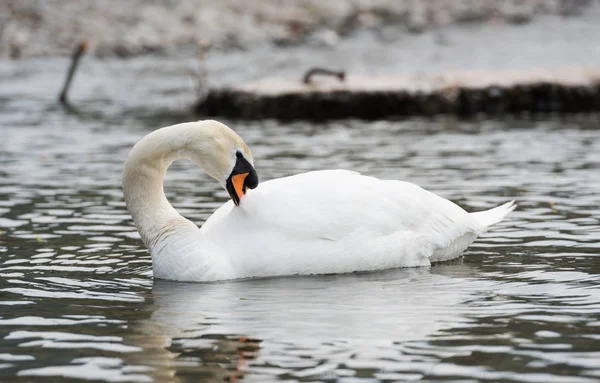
x,y
77,299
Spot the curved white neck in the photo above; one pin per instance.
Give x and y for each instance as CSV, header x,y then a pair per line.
x,y
143,177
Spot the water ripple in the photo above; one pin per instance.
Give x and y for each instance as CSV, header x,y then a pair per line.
x,y
77,298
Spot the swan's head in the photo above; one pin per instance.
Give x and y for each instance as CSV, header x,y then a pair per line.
x,y
213,146
224,156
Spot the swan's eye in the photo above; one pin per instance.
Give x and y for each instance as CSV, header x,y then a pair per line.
x,y
239,155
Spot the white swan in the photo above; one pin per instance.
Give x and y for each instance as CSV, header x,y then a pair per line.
x,y
332,221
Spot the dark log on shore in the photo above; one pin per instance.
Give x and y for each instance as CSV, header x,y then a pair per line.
x,y
463,94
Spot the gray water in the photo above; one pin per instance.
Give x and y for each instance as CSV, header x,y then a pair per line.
x,y
77,298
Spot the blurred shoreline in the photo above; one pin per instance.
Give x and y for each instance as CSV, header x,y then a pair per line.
x,y
113,28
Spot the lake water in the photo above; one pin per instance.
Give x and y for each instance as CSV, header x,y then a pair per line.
x,y
77,298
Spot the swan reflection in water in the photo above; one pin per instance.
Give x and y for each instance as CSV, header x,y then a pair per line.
x,y
216,330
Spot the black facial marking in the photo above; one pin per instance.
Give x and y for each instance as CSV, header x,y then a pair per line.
x,y
251,181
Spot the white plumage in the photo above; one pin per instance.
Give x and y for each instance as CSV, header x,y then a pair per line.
x,y
332,221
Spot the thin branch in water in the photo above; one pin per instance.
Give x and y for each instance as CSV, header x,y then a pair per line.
x,y
202,75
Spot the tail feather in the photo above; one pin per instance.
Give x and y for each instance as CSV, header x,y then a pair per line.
x,y
489,217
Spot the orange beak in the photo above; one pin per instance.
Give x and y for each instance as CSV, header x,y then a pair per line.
x,y
238,184
242,177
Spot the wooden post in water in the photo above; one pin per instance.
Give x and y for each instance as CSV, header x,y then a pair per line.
x,y
79,51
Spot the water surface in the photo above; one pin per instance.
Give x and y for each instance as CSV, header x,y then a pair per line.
x,y
77,298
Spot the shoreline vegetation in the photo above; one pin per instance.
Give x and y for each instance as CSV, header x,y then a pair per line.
x,y
124,29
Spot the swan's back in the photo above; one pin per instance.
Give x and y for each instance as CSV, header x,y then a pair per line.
x,y
338,221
